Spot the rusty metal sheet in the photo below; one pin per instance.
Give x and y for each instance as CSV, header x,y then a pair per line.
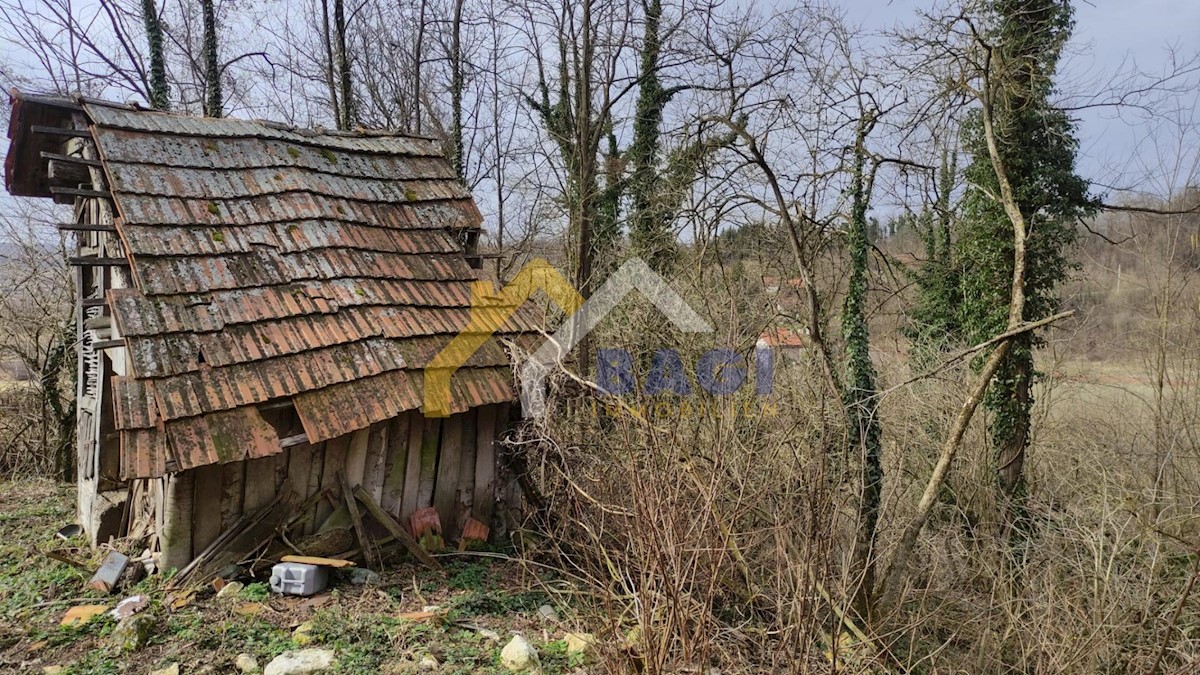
x,y
221,437
344,408
165,123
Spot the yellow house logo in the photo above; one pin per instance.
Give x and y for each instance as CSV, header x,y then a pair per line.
x,y
490,310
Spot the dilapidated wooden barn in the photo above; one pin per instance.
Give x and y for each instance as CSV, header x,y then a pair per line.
x,y
256,304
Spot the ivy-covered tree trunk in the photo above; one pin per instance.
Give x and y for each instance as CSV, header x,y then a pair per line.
x,y
1036,145
159,91
346,92
213,100
860,389
456,91
649,229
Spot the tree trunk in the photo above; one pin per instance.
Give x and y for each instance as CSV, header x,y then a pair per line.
x,y
159,91
346,116
212,69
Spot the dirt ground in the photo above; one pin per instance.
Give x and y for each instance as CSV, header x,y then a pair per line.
x,y
365,625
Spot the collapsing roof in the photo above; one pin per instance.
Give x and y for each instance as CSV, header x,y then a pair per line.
x,y
271,265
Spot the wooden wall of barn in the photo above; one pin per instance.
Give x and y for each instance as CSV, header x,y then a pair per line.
x,y
405,464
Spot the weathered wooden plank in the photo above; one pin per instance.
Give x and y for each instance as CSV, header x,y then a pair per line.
x,y
430,441
89,261
445,491
175,539
334,463
376,468
80,192
60,131
397,458
281,468
206,505
71,159
260,483
232,495
466,466
356,456
316,465
395,529
412,467
299,467
484,500
86,227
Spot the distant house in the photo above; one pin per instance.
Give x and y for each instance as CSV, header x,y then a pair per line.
x,y
783,340
256,306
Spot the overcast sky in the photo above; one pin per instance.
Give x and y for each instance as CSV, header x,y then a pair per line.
x,y
1118,148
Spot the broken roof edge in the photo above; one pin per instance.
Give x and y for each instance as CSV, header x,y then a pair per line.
x,y
25,171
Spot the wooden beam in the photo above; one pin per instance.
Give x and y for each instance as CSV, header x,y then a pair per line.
x,y
67,173
80,192
108,344
370,553
71,159
385,519
86,261
86,227
61,131
94,302
290,441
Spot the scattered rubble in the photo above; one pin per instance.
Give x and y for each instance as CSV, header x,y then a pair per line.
x,y
246,663
230,589
582,644
129,606
301,662
110,572
548,613
519,656
133,633
172,669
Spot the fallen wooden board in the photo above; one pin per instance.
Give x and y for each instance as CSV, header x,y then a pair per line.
x,y
370,553
385,519
316,560
82,614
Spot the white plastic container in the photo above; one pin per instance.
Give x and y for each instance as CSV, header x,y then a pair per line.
x,y
298,579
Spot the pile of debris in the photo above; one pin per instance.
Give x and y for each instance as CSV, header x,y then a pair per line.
x,y
270,544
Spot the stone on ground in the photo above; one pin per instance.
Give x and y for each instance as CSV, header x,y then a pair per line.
x,y
519,656
428,663
301,662
580,643
548,613
132,634
246,663
230,589
172,669
303,634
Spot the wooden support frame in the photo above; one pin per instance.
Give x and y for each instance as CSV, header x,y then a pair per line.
x,y
61,131
86,261
86,227
79,192
71,159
